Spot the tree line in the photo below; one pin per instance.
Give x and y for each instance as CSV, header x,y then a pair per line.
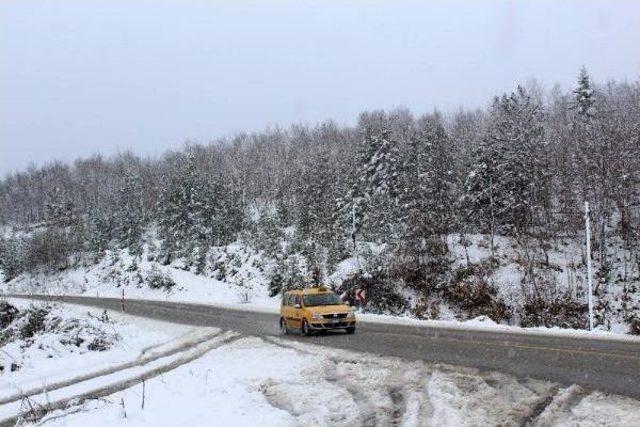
x,y
522,167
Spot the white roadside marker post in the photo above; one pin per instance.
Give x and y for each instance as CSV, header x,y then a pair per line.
x,y
588,237
353,225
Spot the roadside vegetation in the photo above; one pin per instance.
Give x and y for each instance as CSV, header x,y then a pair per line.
x,y
42,331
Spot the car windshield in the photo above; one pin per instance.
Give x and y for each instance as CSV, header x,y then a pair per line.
x,y
322,299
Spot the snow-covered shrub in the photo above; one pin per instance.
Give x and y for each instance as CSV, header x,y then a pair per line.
x,y
477,298
425,270
425,309
468,289
11,257
46,328
49,248
382,295
156,279
7,314
33,321
244,289
634,325
563,312
276,284
99,343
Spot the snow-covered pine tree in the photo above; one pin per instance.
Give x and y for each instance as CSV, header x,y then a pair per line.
x,y
315,203
128,216
267,234
315,200
12,257
196,210
429,193
585,99
379,179
505,183
175,208
98,230
427,204
219,212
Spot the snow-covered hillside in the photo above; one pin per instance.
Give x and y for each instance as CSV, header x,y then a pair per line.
x,y
237,274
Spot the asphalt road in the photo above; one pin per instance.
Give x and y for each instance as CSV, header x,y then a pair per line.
x,y
608,365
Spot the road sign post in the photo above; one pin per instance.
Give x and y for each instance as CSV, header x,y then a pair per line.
x,y
588,242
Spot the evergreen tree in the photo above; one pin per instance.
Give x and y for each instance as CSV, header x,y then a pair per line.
x,y
379,181
175,209
219,211
506,181
429,195
129,220
315,199
585,98
267,234
12,257
98,231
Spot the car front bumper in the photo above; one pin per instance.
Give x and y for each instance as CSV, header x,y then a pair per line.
x,y
328,326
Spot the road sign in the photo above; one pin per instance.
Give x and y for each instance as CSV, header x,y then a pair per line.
x,y
360,295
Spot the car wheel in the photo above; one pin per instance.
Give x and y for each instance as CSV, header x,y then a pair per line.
x,y
350,330
284,330
305,328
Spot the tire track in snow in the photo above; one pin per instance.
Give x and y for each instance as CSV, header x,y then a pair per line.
x,y
366,409
539,408
147,355
366,412
37,410
562,402
391,398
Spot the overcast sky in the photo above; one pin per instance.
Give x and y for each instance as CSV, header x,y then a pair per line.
x,y
79,77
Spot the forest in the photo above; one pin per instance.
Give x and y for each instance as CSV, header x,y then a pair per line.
x,y
520,169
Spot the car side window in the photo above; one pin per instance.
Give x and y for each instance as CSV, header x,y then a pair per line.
x,y
298,300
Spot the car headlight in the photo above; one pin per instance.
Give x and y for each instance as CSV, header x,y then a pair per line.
x,y
351,315
316,316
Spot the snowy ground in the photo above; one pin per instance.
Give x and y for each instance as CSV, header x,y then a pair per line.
x,y
46,367
274,382
119,271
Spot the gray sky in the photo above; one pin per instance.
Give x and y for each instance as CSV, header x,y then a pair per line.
x,y
79,77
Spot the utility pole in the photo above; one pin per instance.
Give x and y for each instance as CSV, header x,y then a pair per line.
x,y
588,236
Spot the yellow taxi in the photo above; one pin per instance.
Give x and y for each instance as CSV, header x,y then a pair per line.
x,y
315,309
